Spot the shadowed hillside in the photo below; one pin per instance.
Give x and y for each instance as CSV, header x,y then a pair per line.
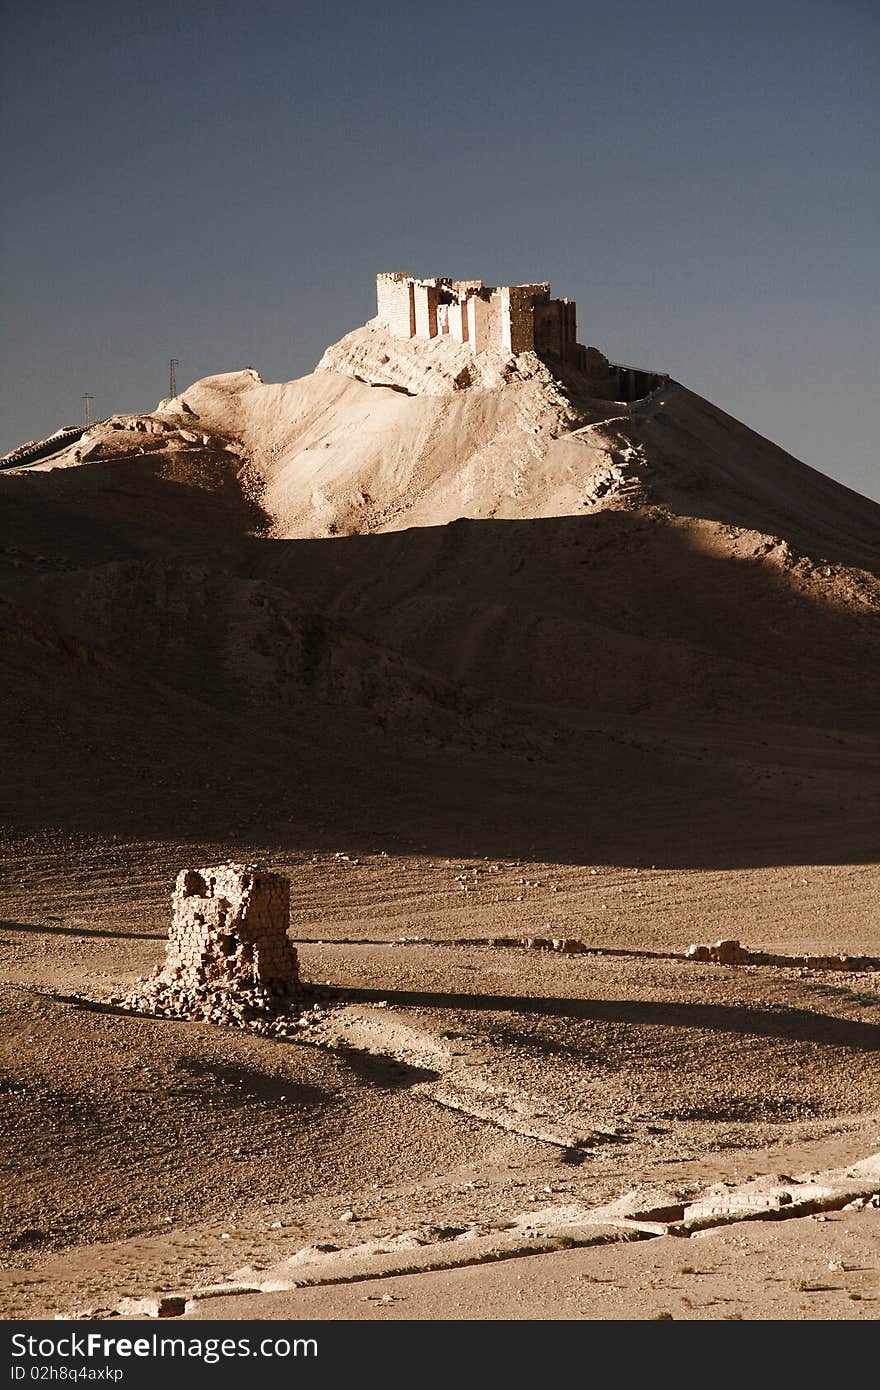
x,y
644,623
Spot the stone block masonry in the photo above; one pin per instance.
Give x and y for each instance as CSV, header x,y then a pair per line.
x,y
513,319
518,303
426,297
229,927
395,295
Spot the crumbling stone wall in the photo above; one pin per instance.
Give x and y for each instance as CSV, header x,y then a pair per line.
x,y
457,320
731,952
555,330
229,928
479,335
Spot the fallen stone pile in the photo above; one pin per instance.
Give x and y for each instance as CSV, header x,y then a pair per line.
x,y
566,945
732,953
233,1006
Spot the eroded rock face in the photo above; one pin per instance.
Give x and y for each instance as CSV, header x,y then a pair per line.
x,y
441,367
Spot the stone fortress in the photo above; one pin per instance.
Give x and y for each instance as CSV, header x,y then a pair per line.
x,y
510,318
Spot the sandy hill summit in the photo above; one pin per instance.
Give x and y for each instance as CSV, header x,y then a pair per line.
x,y
294,594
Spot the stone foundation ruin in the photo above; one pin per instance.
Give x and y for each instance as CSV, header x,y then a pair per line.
x,y
730,952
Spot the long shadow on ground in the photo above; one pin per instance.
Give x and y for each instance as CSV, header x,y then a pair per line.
x,y
794,1025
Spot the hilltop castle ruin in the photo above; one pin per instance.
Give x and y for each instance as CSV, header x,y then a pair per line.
x,y
518,318
512,318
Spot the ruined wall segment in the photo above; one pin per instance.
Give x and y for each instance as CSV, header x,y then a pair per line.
x,y
478,322
457,320
228,958
229,927
517,314
555,326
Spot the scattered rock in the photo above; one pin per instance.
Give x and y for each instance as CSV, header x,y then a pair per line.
x,y
164,1305
730,952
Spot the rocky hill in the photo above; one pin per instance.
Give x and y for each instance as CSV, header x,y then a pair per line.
x,y
595,614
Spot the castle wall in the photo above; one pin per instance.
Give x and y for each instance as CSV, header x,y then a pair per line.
x,y
555,323
517,316
633,384
494,330
478,322
568,310
458,321
426,298
395,304
548,332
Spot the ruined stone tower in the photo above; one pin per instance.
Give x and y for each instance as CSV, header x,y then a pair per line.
x,y
229,927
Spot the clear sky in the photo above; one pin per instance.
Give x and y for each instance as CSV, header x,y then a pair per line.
x,y
220,182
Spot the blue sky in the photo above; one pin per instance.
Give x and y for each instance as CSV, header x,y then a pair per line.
x,y
220,183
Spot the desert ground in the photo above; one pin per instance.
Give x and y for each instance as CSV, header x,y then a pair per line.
x,y
476,669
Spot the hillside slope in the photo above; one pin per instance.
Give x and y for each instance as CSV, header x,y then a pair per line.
x,y
350,449
566,617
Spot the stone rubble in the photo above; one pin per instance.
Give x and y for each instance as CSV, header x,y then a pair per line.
x,y
730,952
159,1306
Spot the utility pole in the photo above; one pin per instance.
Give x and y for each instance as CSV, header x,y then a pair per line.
x,y
173,364
87,408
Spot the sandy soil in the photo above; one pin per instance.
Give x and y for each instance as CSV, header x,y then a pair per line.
x,y
162,1154
782,1271
466,665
